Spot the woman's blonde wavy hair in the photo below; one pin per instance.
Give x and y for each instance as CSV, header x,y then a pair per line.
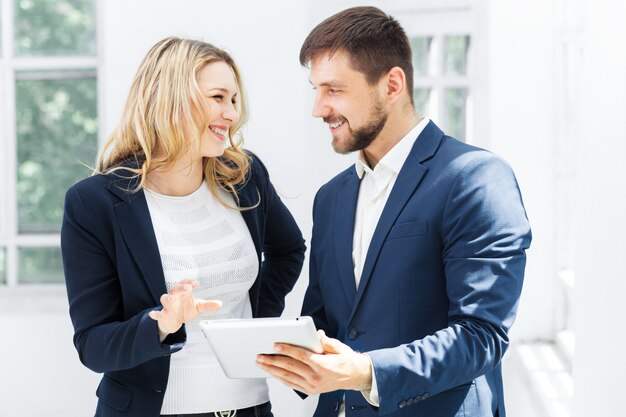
x,y
163,97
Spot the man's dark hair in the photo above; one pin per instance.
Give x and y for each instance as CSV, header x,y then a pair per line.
x,y
374,41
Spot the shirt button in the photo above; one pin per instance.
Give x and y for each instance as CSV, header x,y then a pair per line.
x,y
353,334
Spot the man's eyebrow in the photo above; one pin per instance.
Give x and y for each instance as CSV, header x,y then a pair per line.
x,y
330,83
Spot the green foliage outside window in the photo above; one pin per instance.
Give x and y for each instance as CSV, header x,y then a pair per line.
x,y
40,265
455,54
55,27
455,101
56,135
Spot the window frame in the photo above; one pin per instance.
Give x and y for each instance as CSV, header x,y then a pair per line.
x,y
10,238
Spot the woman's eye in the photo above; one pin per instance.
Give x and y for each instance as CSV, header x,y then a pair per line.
x,y
218,97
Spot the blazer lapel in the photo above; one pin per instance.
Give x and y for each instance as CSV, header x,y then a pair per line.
x,y
138,232
248,195
409,178
344,233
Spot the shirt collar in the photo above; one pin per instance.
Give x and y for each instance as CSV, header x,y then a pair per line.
x,y
394,159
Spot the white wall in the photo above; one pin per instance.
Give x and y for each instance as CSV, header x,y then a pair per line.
x,y
521,120
599,362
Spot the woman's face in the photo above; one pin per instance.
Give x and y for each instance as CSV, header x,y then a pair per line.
x,y
219,90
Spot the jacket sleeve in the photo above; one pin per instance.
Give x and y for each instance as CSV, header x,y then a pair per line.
x,y
283,249
485,233
105,338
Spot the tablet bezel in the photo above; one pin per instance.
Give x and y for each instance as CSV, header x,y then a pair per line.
x,y
237,342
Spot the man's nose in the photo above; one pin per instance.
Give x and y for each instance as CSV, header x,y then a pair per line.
x,y
320,108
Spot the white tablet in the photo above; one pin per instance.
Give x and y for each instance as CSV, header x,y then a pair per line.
x,y
237,342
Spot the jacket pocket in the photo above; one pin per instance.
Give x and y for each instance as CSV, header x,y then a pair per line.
x,y
114,394
408,229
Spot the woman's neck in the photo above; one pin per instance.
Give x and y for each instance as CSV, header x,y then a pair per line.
x,y
179,179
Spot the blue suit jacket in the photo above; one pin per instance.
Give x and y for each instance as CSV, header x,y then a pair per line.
x,y
440,284
114,278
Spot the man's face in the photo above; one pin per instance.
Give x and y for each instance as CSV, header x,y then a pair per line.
x,y
354,109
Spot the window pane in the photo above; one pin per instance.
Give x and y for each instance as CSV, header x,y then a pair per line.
x,y
455,55
40,265
59,27
56,132
420,47
420,98
455,108
3,267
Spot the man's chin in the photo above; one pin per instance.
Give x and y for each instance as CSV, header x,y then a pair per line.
x,y
341,147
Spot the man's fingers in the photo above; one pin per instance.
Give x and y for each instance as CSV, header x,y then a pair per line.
x,y
331,345
298,353
288,370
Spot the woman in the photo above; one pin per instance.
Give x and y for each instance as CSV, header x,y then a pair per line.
x,y
170,230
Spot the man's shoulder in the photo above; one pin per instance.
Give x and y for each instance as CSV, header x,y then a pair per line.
x,y
339,179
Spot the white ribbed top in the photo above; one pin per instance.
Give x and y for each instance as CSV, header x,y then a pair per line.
x,y
199,238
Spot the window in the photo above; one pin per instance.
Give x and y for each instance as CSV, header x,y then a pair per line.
x,y
441,34
48,123
441,83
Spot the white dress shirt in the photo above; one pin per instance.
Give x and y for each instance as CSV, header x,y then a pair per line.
x,y
376,185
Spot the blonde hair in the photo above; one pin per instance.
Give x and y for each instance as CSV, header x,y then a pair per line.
x,y
162,98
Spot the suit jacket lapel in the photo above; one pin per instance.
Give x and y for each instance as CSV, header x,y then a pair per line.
x,y
344,233
138,232
409,178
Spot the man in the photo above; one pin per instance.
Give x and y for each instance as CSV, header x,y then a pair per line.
x,y
418,251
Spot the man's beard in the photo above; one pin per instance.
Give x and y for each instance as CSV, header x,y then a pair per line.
x,y
361,138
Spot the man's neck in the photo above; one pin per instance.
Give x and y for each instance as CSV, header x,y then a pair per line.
x,y
395,129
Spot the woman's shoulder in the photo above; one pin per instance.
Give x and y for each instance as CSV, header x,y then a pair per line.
x,y
257,167
95,183
100,188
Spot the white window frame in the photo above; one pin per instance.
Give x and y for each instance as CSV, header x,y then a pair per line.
x,y
10,238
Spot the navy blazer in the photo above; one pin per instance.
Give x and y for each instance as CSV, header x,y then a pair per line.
x,y
439,287
114,278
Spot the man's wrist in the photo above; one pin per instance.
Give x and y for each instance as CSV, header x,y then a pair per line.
x,y
363,380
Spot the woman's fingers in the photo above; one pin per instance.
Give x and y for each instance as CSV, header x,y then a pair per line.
x,y
208,305
189,281
165,300
155,315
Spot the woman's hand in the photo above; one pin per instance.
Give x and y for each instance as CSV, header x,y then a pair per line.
x,y
180,306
